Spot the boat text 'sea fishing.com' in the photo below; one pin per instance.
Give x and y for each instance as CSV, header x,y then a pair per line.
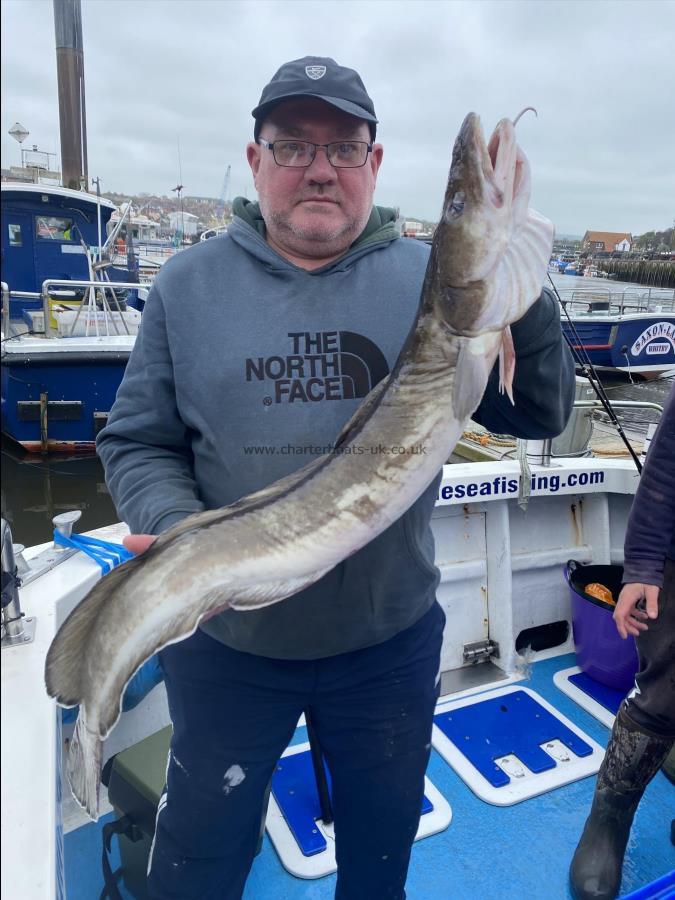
x,y
501,485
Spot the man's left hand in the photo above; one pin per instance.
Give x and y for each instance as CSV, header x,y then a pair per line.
x,y
628,618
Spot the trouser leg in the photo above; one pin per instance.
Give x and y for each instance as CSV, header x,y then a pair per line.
x,y
373,715
233,715
642,736
651,704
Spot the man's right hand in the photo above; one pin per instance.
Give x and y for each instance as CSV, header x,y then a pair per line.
x,y
138,543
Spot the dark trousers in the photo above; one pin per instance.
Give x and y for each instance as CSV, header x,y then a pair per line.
x,y
234,714
651,704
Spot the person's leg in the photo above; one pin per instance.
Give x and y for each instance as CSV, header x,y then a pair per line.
x,y
650,704
373,712
233,715
642,736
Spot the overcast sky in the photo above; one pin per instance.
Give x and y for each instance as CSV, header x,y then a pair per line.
x,y
159,73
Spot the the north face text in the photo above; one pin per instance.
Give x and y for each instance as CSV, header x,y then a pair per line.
x,y
320,365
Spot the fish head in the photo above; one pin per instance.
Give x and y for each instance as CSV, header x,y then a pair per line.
x,y
487,266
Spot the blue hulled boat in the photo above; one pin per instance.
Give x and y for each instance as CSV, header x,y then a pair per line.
x,y
68,320
623,330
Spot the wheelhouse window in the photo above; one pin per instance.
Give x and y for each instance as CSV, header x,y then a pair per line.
x,y
54,228
14,235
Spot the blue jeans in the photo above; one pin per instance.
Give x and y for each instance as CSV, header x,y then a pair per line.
x,y
234,714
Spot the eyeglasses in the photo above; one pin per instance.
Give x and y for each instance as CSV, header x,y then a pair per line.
x,y
300,154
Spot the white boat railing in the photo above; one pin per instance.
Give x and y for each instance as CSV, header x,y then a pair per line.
x,y
600,300
97,290
6,313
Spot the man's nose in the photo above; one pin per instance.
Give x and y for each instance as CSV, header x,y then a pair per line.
x,y
320,169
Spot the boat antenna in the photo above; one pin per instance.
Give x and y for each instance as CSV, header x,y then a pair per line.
x,y
179,191
583,360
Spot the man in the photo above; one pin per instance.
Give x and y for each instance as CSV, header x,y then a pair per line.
x,y
644,729
253,346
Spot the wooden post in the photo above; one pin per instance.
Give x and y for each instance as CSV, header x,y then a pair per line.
x,y
44,427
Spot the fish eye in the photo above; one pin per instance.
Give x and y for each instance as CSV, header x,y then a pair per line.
x,y
457,204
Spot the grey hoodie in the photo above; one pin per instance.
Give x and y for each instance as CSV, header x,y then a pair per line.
x,y
246,366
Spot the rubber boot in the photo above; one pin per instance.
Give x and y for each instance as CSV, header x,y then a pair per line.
x,y
632,759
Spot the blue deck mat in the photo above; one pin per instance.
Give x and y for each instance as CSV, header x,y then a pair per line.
x,y
512,723
661,889
294,789
452,865
608,697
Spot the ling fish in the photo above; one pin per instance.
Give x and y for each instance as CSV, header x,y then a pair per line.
x,y
486,268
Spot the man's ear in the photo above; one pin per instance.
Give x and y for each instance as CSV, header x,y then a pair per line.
x,y
376,155
253,156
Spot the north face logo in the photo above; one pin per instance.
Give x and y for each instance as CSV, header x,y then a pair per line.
x,y
321,365
315,72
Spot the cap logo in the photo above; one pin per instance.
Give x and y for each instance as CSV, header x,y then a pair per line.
x,y
315,72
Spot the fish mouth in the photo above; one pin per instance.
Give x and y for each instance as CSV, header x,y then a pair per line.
x,y
486,165
490,157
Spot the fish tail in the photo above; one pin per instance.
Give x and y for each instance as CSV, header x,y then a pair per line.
x,y
65,665
84,767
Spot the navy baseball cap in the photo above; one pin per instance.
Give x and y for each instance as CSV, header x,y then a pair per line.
x,y
317,76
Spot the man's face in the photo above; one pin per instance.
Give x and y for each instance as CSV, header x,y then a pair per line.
x,y
313,213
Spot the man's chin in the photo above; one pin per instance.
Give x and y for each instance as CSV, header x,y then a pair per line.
x,y
315,236
320,228
311,214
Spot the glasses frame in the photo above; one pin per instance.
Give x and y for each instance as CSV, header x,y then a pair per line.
x,y
269,145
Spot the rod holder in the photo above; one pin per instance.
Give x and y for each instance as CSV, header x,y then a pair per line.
x,y
539,452
16,628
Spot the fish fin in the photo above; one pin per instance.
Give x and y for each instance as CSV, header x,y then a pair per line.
x,y
84,767
63,667
364,411
507,364
476,359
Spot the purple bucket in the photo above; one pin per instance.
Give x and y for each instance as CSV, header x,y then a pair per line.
x,y
601,651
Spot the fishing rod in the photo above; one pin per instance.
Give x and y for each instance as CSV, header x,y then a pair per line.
x,y
588,370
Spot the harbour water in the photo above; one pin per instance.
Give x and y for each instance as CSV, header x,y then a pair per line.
x,y
36,488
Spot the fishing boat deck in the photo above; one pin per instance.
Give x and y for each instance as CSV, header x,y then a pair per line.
x,y
487,852
478,443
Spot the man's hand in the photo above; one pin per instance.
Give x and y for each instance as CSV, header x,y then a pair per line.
x,y
628,618
137,543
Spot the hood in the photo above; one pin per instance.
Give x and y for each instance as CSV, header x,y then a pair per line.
x,y
249,231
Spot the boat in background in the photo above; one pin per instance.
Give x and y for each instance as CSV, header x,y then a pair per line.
x,y
69,316
626,330
592,271
213,232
